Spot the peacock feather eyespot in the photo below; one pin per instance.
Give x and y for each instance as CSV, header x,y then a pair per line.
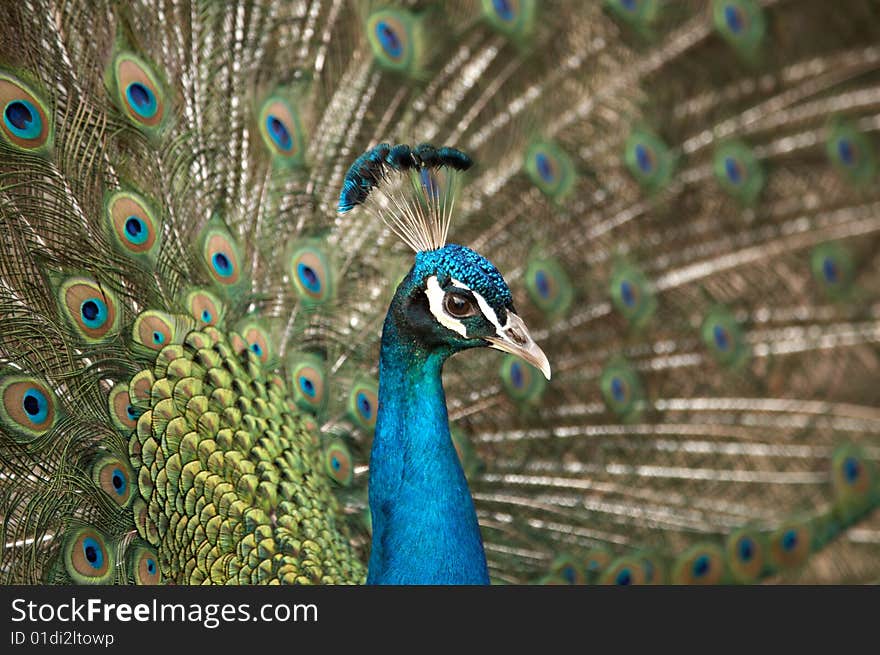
x,y
395,39
851,152
27,123
632,294
833,269
308,381
791,544
143,565
622,389
853,482
623,572
154,330
701,564
122,412
113,475
133,225
514,19
745,554
724,338
29,408
549,286
257,340
282,131
738,171
90,308
523,383
221,255
87,557
649,159
550,169
311,273
638,13
204,307
741,23
137,91
567,568
363,404
338,463
596,561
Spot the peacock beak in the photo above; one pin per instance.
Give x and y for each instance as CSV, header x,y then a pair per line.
x,y
514,338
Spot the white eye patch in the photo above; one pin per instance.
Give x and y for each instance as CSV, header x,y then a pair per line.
x,y
435,295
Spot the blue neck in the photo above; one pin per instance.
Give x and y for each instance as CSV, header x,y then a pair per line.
x,y
425,529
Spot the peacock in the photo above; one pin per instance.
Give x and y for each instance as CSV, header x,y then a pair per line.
x,y
240,243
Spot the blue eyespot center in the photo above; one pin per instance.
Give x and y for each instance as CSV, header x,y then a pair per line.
x,y
830,270
734,18
335,463
644,158
846,151
279,132
746,549
517,376
733,170
629,5
136,230
309,277
307,386
389,39
35,405
93,553
256,349
542,282
618,389
22,119
206,316
118,481
722,340
545,167
151,566
129,410
628,293
364,405
701,566
504,10
158,338
141,99
569,574
790,540
623,578
852,469
93,312
222,264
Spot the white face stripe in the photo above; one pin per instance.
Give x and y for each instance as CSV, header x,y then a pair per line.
x,y
488,312
435,302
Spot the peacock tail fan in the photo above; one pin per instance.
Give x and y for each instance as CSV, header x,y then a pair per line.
x,y
682,197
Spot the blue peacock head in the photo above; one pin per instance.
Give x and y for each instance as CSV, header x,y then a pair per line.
x,y
453,298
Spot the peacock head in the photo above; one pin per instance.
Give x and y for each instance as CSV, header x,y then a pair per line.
x,y
453,298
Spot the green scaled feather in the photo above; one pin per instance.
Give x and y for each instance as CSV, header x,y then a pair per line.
x,y
515,19
549,286
833,269
851,152
550,169
523,382
738,171
649,159
723,337
632,294
741,23
138,91
27,122
622,389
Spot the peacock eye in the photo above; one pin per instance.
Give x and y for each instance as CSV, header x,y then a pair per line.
x,y
458,305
